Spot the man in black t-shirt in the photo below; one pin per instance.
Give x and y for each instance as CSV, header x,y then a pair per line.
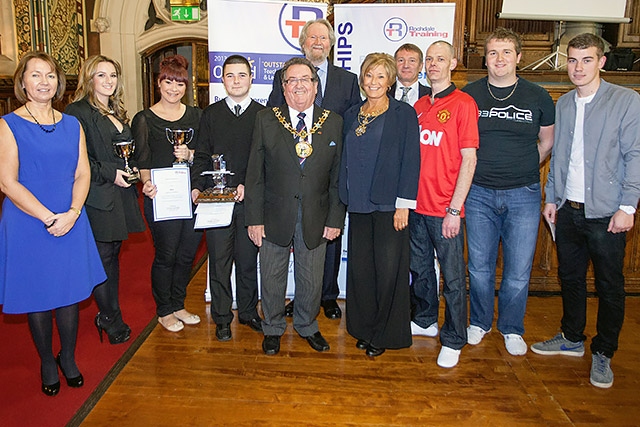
x,y
516,135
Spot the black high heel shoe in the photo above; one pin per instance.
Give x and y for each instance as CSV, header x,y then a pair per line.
x,y
115,336
71,382
51,390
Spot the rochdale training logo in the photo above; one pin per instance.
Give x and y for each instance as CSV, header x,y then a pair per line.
x,y
395,29
292,19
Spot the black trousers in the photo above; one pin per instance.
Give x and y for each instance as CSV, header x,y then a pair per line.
x,y
176,244
579,240
227,245
333,257
378,307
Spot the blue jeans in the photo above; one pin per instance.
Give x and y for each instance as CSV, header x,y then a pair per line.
x,y
514,216
579,240
426,235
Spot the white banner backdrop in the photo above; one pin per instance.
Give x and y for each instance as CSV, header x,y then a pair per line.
x,y
365,28
265,32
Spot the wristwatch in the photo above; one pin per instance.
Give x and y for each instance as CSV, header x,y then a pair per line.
x,y
452,211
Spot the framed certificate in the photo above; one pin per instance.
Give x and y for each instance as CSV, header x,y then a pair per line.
x,y
173,200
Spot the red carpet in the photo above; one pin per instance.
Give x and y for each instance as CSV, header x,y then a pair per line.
x,y
22,402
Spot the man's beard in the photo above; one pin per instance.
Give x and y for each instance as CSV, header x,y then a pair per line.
x,y
316,56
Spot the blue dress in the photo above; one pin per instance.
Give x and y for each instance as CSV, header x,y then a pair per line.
x,y
40,272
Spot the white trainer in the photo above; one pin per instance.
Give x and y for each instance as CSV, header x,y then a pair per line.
x,y
475,334
448,357
430,331
515,344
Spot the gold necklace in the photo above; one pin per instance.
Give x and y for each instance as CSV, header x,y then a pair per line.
x,y
38,123
303,133
505,98
364,119
303,148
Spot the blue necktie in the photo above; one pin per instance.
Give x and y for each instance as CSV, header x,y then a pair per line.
x,y
318,100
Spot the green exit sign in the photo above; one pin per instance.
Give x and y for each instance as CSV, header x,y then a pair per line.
x,y
185,13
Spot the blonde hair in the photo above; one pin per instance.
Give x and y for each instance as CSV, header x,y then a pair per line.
x,y
373,60
86,89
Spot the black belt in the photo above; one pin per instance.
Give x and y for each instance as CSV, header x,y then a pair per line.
x,y
575,205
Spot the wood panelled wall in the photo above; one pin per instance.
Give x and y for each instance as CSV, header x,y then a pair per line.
x,y
538,36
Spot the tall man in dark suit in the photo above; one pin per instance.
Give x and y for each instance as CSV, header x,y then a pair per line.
x,y
291,197
337,91
409,62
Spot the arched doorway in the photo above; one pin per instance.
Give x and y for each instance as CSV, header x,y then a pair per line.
x,y
197,54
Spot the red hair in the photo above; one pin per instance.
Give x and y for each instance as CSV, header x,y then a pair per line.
x,y
174,68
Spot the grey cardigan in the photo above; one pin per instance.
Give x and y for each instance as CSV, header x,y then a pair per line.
x,y
611,150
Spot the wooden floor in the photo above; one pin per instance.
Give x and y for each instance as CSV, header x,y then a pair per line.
x,y
191,379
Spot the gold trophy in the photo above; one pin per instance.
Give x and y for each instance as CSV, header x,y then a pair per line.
x,y
124,150
179,137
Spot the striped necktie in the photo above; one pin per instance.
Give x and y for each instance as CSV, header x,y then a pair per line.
x,y
301,126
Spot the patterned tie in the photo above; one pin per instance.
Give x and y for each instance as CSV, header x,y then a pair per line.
x,y
237,109
405,91
318,100
301,126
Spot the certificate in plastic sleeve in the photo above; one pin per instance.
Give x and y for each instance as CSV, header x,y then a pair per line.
x,y
173,199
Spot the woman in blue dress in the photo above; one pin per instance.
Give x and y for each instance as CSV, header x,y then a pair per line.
x,y
48,257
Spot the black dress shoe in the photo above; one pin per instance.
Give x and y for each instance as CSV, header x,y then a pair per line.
x,y
71,382
317,342
288,309
223,332
362,344
331,309
374,351
271,344
255,324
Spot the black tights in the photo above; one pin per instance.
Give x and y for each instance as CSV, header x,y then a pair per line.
x,y
106,293
41,326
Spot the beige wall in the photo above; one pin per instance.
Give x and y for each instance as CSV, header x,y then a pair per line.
x,y
122,37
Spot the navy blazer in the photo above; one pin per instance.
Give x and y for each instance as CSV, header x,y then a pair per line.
x,y
341,93
397,168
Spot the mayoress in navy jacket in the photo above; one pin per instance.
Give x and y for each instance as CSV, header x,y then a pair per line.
x,y
379,183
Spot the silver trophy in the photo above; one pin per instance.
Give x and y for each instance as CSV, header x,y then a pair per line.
x,y
178,137
124,150
219,172
219,192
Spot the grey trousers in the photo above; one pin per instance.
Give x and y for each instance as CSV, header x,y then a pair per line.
x,y
308,272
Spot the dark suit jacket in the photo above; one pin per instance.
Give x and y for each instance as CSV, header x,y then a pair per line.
x,y
422,90
341,93
397,168
113,211
276,184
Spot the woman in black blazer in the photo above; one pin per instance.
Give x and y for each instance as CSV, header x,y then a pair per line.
x,y
112,203
379,184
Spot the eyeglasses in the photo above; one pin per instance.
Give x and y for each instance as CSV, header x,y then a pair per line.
x,y
303,80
